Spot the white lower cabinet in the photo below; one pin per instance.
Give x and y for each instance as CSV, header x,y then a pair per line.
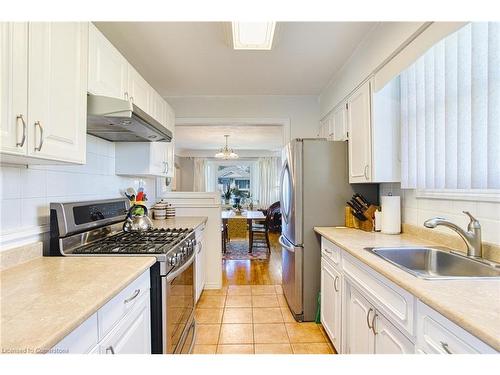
x,y
123,325
359,337
388,339
368,331
200,262
132,335
331,302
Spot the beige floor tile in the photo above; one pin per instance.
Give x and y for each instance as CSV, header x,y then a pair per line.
x,y
282,300
287,315
208,316
238,301
215,292
267,315
270,334
265,301
210,302
236,334
237,315
235,349
263,290
207,333
312,348
273,349
304,332
204,349
279,289
239,290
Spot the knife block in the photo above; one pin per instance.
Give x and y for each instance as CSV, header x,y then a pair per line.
x,y
352,222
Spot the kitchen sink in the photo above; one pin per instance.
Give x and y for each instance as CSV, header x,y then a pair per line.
x,y
434,263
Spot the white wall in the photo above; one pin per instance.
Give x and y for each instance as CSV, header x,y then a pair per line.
x,y
379,45
416,210
25,193
303,111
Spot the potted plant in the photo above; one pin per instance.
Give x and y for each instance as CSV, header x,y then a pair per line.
x,y
237,196
227,194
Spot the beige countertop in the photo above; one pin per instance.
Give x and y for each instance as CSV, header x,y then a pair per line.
x,y
45,299
181,222
474,305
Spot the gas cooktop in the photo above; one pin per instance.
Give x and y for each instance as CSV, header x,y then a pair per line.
x,y
154,241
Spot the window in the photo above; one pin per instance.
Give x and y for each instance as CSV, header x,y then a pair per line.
x,y
450,114
234,175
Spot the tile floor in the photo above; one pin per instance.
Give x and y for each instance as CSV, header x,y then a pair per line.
x,y
253,319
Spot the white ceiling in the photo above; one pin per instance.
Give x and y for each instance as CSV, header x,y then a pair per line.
x,y
194,58
242,137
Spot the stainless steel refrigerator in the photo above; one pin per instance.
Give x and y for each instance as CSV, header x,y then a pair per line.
x,y
314,190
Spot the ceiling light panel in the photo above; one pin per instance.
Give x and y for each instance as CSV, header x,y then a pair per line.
x,y
253,35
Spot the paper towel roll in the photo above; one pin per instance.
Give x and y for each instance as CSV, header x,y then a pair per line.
x,y
391,214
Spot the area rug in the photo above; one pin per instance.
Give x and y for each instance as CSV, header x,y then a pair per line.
x,y
238,250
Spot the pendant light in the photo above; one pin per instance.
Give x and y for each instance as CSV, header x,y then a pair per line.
x,y
226,152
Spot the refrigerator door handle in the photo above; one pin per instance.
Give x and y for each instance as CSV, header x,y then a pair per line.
x,y
285,245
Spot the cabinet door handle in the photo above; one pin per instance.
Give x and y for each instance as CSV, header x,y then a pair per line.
x,y
125,95
132,99
373,323
446,348
110,350
166,167
366,172
23,139
133,296
335,284
370,310
327,251
39,148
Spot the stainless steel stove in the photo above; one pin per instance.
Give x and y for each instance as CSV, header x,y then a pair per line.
x,y
94,228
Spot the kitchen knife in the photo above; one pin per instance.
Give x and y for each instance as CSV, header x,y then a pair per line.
x,y
360,208
356,213
363,199
361,202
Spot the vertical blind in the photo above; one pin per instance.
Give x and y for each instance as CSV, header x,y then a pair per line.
x,y
450,113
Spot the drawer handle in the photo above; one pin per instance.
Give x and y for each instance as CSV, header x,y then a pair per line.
x,y
373,323
133,296
444,345
370,310
365,172
23,139
335,284
110,350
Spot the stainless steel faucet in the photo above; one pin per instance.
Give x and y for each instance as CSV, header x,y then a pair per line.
x,y
472,236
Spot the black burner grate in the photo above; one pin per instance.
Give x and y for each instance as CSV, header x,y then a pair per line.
x,y
154,241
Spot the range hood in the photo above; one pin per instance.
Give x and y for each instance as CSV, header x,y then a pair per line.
x,y
119,120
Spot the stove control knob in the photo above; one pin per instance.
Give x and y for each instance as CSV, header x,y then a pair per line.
x,y
172,260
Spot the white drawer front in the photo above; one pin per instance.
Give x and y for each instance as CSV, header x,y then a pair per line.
x,y
81,340
330,251
396,303
115,309
438,335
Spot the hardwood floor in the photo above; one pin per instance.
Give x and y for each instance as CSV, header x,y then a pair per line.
x,y
254,272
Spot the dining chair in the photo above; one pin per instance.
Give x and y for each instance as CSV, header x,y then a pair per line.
x,y
260,228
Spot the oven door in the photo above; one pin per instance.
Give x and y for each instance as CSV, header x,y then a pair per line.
x,y
178,307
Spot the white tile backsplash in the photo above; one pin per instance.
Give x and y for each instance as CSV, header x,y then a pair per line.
x,y
416,210
26,193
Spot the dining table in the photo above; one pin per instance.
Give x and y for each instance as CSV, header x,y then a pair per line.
x,y
249,216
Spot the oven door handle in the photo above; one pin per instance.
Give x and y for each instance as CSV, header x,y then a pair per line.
x,y
177,272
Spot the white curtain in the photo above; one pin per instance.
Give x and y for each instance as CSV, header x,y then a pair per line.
x,y
450,113
199,183
268,181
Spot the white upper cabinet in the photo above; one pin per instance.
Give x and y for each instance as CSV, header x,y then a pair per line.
x,y
158,108
338,123
139,91
57,81
170,118
143,159
359,121
44,92
13,87
108,69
